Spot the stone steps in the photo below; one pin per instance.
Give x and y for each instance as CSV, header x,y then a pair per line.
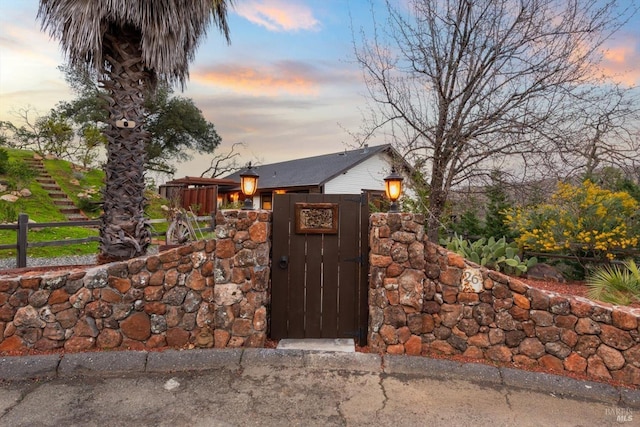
x,y
57,194
46,181
51,187
59,197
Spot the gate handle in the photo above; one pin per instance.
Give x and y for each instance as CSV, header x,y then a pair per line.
x,y
284,262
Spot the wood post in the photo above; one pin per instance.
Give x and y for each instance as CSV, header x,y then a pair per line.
x,y
21,257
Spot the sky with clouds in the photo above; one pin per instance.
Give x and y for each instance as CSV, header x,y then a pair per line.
x,y
286,87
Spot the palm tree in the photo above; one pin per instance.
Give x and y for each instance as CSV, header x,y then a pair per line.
x,y
130,46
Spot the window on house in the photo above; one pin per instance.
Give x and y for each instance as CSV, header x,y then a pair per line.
x,y
266,201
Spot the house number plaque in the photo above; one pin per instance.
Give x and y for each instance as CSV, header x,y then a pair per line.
x,y
471,280
316,218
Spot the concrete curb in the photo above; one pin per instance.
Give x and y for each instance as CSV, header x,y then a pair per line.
x,y
441,369
193,360
559,385
20,368
29,367
102,363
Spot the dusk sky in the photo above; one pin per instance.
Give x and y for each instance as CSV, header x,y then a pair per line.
x,y
286,87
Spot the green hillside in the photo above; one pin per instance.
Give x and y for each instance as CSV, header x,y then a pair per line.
x,y
82,187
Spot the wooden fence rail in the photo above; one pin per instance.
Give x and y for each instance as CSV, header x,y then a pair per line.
x,y
23,226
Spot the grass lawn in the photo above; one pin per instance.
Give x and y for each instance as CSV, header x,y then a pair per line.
x,y
40,208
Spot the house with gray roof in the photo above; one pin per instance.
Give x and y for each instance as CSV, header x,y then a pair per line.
x,y
346,172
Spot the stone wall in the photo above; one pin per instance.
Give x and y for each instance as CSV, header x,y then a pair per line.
x,y
203,294
424,299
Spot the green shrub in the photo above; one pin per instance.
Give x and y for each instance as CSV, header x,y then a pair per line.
x,y
615,284
8,212
468,224
494,254
88,205
232,205
4,161
498,205
19,174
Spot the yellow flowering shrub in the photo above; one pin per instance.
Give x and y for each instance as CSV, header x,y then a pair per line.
x,y
583,219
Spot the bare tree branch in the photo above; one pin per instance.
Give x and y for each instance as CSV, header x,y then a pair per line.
x,y
224,163
457,84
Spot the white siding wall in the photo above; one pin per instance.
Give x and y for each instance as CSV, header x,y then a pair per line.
x,y
368,175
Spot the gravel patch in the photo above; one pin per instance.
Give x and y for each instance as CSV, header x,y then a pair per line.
x,y
45,262
8,263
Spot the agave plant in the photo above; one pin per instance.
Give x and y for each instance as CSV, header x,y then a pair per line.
x,y
617,284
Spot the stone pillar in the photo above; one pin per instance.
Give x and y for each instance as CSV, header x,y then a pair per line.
x,y
242,274
397,280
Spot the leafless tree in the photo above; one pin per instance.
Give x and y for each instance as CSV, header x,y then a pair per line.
x,y
458,85
31,135
223,163
604,131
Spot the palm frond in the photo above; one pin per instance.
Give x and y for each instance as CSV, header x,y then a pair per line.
x,y
615,284
170,30
633,269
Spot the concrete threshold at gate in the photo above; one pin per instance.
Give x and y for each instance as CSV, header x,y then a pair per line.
x,y
343,345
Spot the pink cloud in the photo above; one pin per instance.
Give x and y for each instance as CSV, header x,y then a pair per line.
x,y
262,80
278,15
621,61
287,77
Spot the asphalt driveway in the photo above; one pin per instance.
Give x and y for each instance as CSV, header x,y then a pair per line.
x,y
291,387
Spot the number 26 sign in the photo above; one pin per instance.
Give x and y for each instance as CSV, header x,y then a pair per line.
x,y
471,280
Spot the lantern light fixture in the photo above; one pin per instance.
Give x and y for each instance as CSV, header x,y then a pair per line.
x,y
248,186
393,189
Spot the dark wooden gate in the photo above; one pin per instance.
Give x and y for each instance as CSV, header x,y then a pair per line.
x,y
319,272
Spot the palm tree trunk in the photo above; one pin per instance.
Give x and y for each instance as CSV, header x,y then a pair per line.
x,y
124,232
